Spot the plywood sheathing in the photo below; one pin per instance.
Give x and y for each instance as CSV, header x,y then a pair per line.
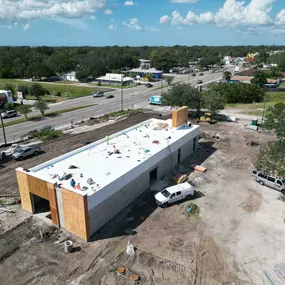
x,y
179,117
38,187
24,191
75,211
53,204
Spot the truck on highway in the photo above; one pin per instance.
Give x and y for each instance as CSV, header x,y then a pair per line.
x,y
155,100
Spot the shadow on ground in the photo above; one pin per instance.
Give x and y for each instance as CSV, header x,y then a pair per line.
x,y
129,219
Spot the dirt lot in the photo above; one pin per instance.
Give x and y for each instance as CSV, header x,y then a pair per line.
x,y
237,236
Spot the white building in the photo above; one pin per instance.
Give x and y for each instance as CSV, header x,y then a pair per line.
x,y
71,76
87,187
145,69
112,78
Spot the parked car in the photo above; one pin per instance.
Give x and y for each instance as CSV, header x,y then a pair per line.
x,y
201,74
9,151
199,81
24,152
98,94
193,74
174,194
110,96
269,181
148,85
9,114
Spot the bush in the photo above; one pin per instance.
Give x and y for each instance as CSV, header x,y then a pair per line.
x,y
46,135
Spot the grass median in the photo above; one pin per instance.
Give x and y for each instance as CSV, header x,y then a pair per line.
x,y
51,114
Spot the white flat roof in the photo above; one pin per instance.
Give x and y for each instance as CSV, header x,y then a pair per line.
x,y
100,161
114,77
150,70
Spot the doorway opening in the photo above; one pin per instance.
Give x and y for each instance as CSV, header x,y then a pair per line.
x,y
179,156
153,175
194,143
41,207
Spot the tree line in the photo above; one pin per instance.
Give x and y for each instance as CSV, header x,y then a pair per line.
x,y
27,62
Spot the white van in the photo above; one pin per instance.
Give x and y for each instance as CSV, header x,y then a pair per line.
x,y
174,194
269,181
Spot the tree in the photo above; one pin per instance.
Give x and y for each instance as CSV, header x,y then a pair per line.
x,y
275,120
24,110
42,106
39,70
183,95
213,101
259,79
37,90
239,92
274,72
169,79
227,75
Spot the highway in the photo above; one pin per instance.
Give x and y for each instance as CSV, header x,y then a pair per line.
x,y
133,97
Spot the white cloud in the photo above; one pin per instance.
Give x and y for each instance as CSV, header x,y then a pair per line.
x,y
92,17
112,27
184,1
108,12
280,18
152,29
13,10
129,3
26,27
6,26
133,23
164,19
233,13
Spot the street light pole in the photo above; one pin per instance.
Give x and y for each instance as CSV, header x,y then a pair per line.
x,y
122,94
265,99
161,86
3,128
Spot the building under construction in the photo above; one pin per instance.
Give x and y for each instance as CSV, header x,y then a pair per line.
x,y
87,187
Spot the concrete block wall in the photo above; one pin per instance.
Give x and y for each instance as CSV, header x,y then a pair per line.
x,y
106,210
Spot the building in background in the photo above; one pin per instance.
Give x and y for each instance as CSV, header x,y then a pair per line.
x,y
82,190
71,76
112,78
144,69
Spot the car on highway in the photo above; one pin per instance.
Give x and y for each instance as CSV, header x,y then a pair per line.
x,y
199,81
201,74
9,114
148,85
110,96
98,94
174,194
27,151
194,74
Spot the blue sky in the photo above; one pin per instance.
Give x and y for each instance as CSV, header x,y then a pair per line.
x,y
142,22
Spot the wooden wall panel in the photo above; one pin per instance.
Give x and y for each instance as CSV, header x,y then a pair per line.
x,y
24,191
179,117
75,211
38,187
53,204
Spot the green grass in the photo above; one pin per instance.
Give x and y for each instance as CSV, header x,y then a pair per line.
x,y
282,85
64,89
271,100
51,114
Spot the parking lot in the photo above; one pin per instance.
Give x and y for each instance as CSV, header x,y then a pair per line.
x,y
235,239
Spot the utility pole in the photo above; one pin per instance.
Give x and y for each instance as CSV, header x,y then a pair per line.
x,y
262,118
122,91
161,86
3,128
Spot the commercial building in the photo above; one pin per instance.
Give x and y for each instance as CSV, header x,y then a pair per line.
x,y
71,76
87,187
145,69
113,78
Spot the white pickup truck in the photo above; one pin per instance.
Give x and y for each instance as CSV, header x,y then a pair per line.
x,y
174,193
9,151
